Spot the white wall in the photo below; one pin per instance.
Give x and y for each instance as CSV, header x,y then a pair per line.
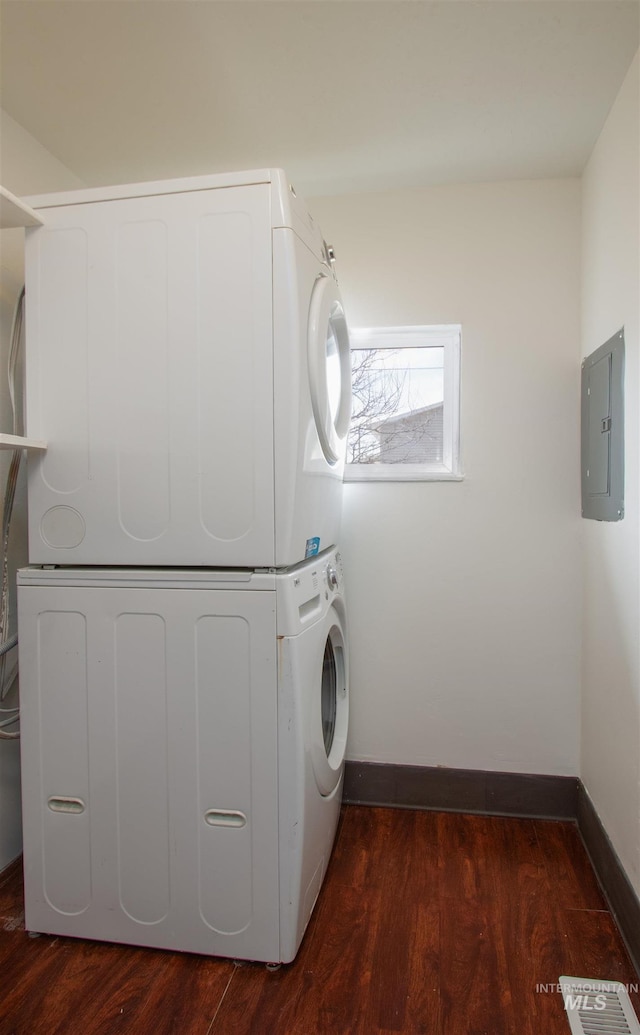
x,y
465,598
26,168
611,659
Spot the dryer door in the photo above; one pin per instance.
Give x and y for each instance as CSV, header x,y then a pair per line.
x,y
329,367
330,708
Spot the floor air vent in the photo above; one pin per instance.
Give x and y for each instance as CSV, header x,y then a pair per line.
x,y
596,1007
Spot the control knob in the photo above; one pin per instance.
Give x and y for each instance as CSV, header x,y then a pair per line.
x,y
332,577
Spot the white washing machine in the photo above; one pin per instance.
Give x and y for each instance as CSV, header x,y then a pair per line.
x,y
188,365
183,737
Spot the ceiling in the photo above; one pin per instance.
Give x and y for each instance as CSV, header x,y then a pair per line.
x,y
346,95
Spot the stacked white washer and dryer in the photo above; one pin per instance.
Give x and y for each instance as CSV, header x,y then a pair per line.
x,y
183,651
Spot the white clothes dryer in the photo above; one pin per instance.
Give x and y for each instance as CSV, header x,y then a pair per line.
x,y
188,365
183,737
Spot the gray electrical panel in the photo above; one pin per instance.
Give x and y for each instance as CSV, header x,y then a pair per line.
x,y
603,431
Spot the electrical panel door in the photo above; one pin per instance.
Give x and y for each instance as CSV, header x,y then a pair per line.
x,y
603,431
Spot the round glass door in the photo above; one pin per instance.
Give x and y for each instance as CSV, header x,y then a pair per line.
x,y
329,696
330,712
329,368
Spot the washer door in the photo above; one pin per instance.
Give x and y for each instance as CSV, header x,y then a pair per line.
x,y
329,367
330,708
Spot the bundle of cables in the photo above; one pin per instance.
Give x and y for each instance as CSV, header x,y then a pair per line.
x,y
9,716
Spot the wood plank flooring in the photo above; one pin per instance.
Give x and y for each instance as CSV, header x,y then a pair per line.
x,y
428,924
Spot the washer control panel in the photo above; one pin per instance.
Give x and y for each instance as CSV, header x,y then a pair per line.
x,y
306,592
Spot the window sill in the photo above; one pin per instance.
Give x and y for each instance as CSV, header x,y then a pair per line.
x,y
399,473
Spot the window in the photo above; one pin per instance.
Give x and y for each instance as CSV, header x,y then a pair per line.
x,y
405,419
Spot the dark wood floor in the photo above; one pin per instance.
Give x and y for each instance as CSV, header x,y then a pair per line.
x,y
428,924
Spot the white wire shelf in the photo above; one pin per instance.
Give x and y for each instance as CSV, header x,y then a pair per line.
x,y
20,442
14,212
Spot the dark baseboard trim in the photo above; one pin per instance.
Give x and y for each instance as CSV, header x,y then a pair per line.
x,y
524,795
460,790
622,899
8,871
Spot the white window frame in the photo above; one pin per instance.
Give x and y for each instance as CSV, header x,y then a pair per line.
x,y
446,336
